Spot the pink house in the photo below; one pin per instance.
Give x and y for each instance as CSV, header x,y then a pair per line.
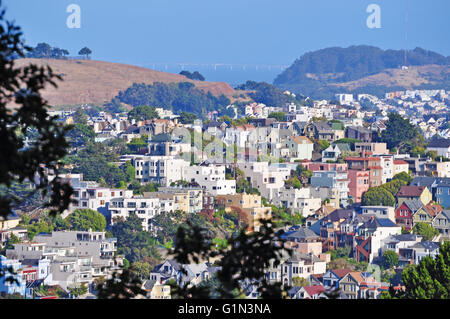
x,y
359,183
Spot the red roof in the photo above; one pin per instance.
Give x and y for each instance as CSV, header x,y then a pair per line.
x,y
314,290
400,162
411,191
341,272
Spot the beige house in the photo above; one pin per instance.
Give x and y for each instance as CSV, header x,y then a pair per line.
x,y
250,204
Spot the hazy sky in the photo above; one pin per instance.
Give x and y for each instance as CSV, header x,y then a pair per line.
x,y
228,31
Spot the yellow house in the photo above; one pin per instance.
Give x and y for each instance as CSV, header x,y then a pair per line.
x,y
427,213
160,292
9,222
414,192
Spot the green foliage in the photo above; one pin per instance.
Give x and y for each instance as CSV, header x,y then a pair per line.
x,y
93,162
425,230
399,132
181,97
323,144
85,51
79,291
341,252
45,51
279,116
85,219
384,195
187,118
247,258
193,76
293,182
377,196
390,259
22,86
430,279
80,134
133,242
347,64
125,285
143,113
300,282
262,92
141,269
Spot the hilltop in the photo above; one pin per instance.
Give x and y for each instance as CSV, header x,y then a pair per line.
x,y
358,69
97,82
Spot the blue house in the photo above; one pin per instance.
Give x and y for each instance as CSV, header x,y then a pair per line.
x,y
443,193
11,282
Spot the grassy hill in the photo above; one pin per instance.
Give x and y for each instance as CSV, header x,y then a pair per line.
x,y
358,69
97,82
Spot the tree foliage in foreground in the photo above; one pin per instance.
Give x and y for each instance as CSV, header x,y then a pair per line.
x,y
22,86
430,279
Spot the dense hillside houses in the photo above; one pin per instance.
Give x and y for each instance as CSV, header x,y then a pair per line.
x,y
343,191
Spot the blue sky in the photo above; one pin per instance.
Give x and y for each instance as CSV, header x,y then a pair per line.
x,y
228,31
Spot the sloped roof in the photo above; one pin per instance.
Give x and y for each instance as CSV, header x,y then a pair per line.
x,y
301,234
413,204
440,143
410,191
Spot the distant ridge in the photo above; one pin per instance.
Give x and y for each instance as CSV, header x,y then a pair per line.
x,y
97,82
368,69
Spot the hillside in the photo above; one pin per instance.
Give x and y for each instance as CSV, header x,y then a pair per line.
x,y
87,81
358,69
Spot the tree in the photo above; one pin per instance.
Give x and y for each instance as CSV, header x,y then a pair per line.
x,y
425,230
85,51
85,219
187,118
398,132
430,279
377,196
22,86
141,269
143,113
390,259
279,116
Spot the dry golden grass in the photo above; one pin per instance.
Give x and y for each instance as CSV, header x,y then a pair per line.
x,y
98,82
410,78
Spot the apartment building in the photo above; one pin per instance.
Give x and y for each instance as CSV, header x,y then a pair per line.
x,y
211,178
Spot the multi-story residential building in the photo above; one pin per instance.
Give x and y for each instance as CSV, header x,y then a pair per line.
x,y
12,281
300,265
442,223
266,178
400,166
84,243
210,177
164,170
371,148
372,164
300,147
440,146
369,236
443,193
186,199
298,200
334,180
359,184
144,208
360,133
